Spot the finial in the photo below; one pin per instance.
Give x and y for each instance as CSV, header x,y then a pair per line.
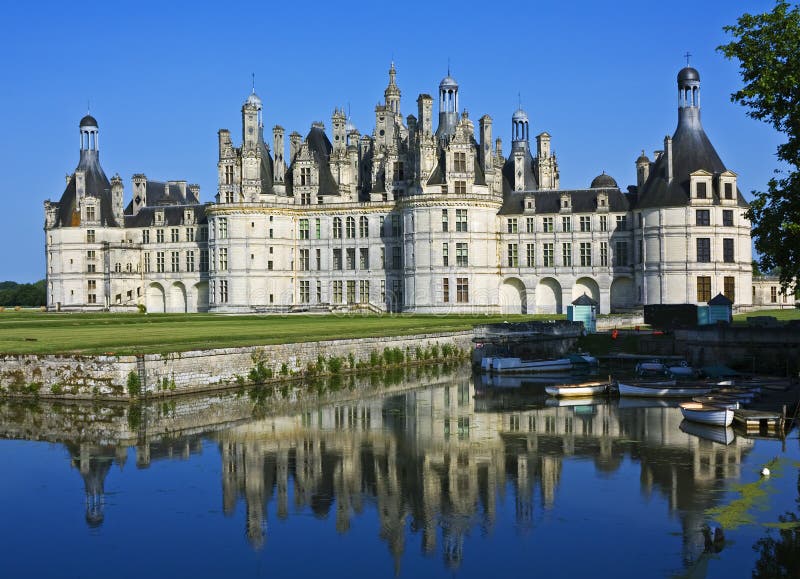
x,y
254,81
519,100
88,108
448,66
687,56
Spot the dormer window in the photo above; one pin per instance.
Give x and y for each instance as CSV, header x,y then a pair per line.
x,y
701,191
159,217
90,213
566,203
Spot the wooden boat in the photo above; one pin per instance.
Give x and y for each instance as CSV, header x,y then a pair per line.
x,y
720,434
580,389
718,400
705,414
663,388
682,370
518,365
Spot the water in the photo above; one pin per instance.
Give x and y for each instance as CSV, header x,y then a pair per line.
x,y
445,479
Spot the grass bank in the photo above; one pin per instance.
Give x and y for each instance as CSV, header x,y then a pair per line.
x,y
50,333
785,314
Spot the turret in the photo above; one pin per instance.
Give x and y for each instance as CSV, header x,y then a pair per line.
x,y
392,93
252,121
448,107
642,170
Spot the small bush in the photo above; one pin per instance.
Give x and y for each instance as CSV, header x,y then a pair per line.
x,y
351,360
374,359
435,351
284,369
134,384
335,365
142,308
56,389
260,373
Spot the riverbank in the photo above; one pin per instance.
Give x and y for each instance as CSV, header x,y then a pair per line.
x,y
126,377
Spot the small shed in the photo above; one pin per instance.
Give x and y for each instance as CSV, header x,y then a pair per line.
x,y
720,309
584,309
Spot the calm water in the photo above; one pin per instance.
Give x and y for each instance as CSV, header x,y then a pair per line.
x,y
450,478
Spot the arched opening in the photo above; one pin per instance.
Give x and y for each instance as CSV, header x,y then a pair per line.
x,y
621,293
177,298
586,285
155,298
548,296
201,296
512,298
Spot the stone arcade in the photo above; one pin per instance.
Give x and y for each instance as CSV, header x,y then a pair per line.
x,y
409,218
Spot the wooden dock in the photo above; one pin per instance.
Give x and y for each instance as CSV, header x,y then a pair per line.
x,y
755,421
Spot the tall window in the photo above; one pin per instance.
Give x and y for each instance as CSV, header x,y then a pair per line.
x,y
305,291
396,230
566,254
190,234
729,287
318,225
460,162
446,290
160,262
603,253
351,257
304,229
446,254
337,259
337,227
223,258
351,227
399,172
445,223
728,190
305,176
702,217
175,261
305,198
703,250
222,224
337,292
203,260
305,264
701,190
461,220
529,225
622,222
586,254
586,223
397,257
145,236
363,226
462,255
773,294
351,291
511,225
547,224
174,235
462,290
223,290
460,188
363,291
229,174
621,253
727,250
319,259
363,258
91,266
159,236
190,261
566,223
547,255
727,217
90,214
530,255
90,237
513,257
604,223
147,263
703,289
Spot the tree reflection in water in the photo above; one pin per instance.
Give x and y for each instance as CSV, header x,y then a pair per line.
x,y
780,557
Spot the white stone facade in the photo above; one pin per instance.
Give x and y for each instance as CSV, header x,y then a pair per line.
x,y
411,218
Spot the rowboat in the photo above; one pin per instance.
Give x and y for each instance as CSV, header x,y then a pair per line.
x,y
718,401
663,388
651,367
682,370
518,365
721,434
705,414
581,389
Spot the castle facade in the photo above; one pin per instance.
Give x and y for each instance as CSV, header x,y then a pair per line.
x,y
414,217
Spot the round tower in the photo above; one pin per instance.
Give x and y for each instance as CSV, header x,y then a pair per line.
x,y
392,92
89,135
688,96
519,130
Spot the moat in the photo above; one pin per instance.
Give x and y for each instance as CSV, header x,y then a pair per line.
x,y
433,475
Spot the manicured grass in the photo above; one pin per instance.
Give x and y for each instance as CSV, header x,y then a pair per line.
x,y
784,314
51,333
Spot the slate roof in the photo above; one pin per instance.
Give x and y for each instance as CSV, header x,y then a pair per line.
x,y
173,215
320,148
158,193
508,174
720,300
582,201
584,300
97,185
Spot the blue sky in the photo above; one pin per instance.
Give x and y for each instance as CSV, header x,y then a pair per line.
x,y
163,77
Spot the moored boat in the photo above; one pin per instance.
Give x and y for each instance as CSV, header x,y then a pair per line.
x,y
719,401
580,389
682,370
653,366
518,365
662,388
705,414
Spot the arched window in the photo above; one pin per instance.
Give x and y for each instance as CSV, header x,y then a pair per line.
x,y
363,226
351,227
337,227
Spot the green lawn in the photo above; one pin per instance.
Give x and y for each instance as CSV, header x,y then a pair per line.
x,y
784,314
50,333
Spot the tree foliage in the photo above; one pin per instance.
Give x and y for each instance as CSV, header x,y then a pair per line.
x,y
767,47
22,294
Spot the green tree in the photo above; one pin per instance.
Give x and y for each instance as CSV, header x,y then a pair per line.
x,y
767,47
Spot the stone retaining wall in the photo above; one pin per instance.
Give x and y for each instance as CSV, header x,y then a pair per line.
x,y
74,376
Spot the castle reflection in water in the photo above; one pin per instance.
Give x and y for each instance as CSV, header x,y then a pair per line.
x,y
433,460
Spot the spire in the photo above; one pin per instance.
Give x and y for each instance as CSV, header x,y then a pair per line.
x,y
392,92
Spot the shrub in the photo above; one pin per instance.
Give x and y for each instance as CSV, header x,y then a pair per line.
x,y
320,362
134,384
56,389
260,373
142,308
351,360
284,369
335,365
374,359
435,351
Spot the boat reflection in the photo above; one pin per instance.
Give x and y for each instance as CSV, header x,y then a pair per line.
x,y
719,434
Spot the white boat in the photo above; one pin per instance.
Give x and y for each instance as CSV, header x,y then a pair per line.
x,y
651,367
663,388
705,414
518,365
583,359
682,370
719,401
581,389
721,434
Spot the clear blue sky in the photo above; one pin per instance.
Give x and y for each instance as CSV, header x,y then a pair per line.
x,y
163,77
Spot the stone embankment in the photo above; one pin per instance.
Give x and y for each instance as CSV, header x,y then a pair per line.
x,y
111,376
